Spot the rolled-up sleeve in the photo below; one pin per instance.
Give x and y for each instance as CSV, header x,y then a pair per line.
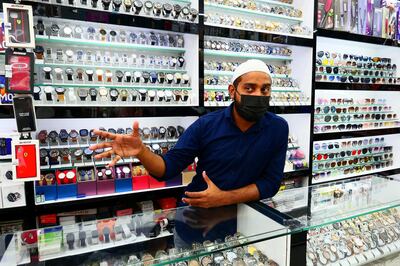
x,y
271,178
184,152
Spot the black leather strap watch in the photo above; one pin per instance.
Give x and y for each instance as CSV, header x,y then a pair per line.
x,y
93,94
167,9
114,94
138,5
177,11
162,131
94,3
171,132
106,4
117,5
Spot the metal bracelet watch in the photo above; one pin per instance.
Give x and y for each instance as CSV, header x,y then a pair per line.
x,y
59,73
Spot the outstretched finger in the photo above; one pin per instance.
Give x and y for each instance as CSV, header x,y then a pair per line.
x,y
100,146
105,154
135,131
104,134
114,161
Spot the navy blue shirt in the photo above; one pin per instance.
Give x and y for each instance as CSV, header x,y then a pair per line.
x,y
232,159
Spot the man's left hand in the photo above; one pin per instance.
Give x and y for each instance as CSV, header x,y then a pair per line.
x,y
209,198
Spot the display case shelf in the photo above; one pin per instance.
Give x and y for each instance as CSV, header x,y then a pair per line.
x,y
357,133
245,11
87,66
120,104
208,52
321,85
82,42
116,194
96,85
230,73
276,3
356,37
274,89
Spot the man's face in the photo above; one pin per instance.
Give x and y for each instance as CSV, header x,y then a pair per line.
x,y
253,83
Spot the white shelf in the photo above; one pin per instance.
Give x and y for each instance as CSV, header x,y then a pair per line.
x,y
245,11
277,3
259,30
339,177
274,89
118,103
230,73
86,164
83,42
209,52
97,85
106,195
352,130
102,246
132,68
225,104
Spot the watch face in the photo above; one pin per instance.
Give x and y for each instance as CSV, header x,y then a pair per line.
x,y
117,2
138,3
92,92
114,93
82,92
148,4
83,132
103,92
48,89
73,134
60,90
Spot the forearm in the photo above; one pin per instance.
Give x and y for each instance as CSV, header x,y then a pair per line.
x,y
240,195
153,163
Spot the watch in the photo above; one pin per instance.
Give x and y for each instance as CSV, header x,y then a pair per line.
x,y
40,27
181,60
177,11
70,55
120,75
185,95
88,154
138,5
94,3
65,155
89,73
146,133
83,93
99,74
148,6
48,91
167,9
67,31
193,14
137,75
103,32
124,95
106,4
171,132
103,92
177,94
93,136
93,94
63,135
185,78
169,77
42,136
78,155
13,197
54,29
59,73
47,73
79,74
114,94
53,135
43,155
177,78
73,134
134,95
60,94
84,133
117,5
185,12
161,77
128,5
70,73
36,93
152,95
162,131
157,8
142,93
120,131
53,156
128,76
168,96
146,77
153,77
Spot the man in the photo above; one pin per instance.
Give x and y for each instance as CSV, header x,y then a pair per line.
x,y
241,149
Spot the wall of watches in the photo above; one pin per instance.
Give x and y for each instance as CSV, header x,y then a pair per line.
x,y
279,17
366,17
69,169
222,55
93,65
184,11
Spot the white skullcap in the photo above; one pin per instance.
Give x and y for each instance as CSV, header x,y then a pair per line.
x,y
251,65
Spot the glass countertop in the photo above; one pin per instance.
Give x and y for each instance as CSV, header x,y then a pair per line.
x,y
319,205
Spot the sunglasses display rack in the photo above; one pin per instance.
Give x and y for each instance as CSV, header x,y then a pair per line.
x,y
349,157
347,62
265,16
343,111
95,65
290,87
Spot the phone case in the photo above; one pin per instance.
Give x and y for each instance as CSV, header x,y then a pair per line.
x,y
19,72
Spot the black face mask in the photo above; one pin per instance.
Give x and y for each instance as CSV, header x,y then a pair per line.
x,y
252,108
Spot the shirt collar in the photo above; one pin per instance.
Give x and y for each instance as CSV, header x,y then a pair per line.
x,y
259,125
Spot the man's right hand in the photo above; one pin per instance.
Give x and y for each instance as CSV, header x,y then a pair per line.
x,y
122,145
